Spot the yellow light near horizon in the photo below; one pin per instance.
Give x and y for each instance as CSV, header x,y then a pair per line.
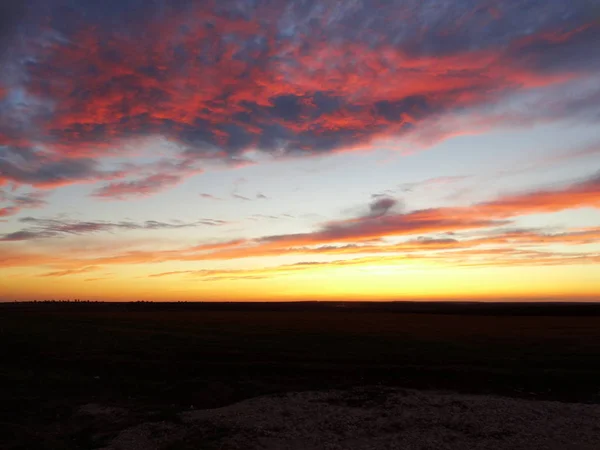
x,y
386,282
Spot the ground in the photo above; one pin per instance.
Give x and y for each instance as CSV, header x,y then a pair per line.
x,y
83,376
374,418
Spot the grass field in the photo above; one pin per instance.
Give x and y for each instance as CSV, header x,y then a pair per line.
x,y
159,361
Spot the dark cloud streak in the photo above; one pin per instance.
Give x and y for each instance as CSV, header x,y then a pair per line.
x,y
16,203
52,228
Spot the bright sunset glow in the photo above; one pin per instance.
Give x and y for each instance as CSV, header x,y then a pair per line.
x,y
278,150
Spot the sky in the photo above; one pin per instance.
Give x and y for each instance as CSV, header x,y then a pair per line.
x,y
300,150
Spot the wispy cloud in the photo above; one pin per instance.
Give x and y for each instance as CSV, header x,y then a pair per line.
x,y
24,165
270,217
241,197
449,234
142,187
433,183
51,228
150,179
258,196
210,196
64,273
463,258
17,203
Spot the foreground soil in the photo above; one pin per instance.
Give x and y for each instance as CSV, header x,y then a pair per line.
x,y
370,418
75,376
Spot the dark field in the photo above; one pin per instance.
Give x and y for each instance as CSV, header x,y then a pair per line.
x,y
157,360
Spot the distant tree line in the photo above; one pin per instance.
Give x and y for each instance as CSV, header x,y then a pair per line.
x,y
76,300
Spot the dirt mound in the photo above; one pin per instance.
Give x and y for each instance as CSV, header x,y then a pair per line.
x,y
372,419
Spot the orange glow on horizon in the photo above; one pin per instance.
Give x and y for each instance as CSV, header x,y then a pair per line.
x,y
367,282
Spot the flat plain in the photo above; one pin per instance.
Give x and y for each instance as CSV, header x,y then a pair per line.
x,y
155,361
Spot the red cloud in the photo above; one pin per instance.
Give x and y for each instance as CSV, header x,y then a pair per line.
x,y
579,195
154,177
218,81
142,187
186,81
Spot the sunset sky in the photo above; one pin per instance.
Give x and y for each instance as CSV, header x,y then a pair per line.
x,y
299,150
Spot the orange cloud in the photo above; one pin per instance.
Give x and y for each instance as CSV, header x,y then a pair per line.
x,y
463,258
370,233
63,273
449,219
